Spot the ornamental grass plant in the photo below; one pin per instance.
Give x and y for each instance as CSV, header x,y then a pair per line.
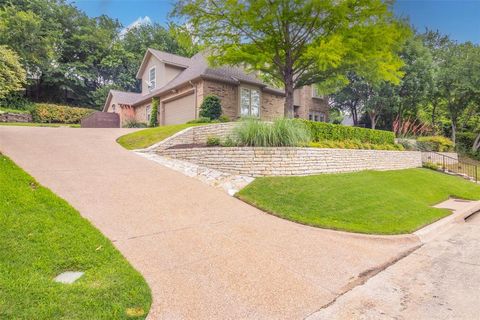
x,y
279,133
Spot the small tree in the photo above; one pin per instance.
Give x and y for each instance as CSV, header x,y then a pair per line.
x,y
154,112
211,107
12,74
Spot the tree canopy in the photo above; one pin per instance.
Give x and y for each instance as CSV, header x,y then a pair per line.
x,y
300,42
72,58
12,74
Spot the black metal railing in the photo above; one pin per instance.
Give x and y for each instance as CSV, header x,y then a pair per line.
x,y
448,164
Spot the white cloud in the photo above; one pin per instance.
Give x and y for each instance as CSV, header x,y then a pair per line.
x,y
139,22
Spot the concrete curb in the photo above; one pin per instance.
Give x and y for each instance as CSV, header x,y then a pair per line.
x,y
461,210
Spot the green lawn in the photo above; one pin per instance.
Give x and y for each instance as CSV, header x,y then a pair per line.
x,y
5,109
41,236
147,137
377,202
36,124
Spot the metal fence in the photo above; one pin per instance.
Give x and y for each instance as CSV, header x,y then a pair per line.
x,y
464,168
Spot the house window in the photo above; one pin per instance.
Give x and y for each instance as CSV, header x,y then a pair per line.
x,y
113,108
316,116
249,102
148,111
152,79
315,92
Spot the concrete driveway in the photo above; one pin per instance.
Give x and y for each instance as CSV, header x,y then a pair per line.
x,y
441,280
204,254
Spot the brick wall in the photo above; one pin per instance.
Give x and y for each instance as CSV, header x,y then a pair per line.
x,y
294,161
306,103
227,93
272,106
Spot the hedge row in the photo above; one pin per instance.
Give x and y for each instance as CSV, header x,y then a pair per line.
x,y
52,113
434,143
334,132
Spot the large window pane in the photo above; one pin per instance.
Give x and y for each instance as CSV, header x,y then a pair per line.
x,y
255,103
245,102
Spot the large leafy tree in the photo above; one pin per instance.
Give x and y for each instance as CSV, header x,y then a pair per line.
x,y
352,97
12,74
76,59
458,80
300,42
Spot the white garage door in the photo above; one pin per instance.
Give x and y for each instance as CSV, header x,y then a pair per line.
x,y
180,110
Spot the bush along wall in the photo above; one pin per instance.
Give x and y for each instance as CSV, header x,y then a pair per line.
x,y
154,112
326,131
211,107
52,113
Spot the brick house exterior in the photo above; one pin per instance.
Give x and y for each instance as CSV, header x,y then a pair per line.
x,y
182,83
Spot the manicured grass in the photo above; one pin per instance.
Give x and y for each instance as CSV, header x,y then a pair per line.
x,y
147,137
5,109
36,124
377,202
41,236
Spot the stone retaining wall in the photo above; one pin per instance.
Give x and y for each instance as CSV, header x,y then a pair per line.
x,y
196,135
257,162
15,117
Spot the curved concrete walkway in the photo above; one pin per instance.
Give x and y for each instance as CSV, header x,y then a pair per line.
x,y
204,254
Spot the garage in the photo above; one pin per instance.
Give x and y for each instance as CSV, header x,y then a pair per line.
x,y
179,110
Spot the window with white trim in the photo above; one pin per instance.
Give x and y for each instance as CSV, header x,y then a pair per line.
x,y
148,113
113,107
249,102
152,79
316,116
316,92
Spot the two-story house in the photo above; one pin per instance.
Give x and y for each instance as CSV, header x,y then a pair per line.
x,y
181,84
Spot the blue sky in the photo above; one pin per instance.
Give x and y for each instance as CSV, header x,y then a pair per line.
x,y
458,18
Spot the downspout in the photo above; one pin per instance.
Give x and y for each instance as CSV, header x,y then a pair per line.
x,y
195,96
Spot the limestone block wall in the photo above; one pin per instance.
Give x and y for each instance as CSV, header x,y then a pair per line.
x,y
15,117
258,162
197,135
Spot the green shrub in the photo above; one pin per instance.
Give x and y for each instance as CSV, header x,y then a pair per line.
x,y
17,100
213,141
132,123
224,118
280,133
203,120
434,143
430,165
154,112
327,131
466,139
408,144
52,113
211,107
355,144
229,142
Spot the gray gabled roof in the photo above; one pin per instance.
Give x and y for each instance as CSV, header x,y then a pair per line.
x,y
196,68
122,97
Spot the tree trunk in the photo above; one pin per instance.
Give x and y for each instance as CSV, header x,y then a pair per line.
x,y
434,109
353,111
373,119
454,131
476,143
289,88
